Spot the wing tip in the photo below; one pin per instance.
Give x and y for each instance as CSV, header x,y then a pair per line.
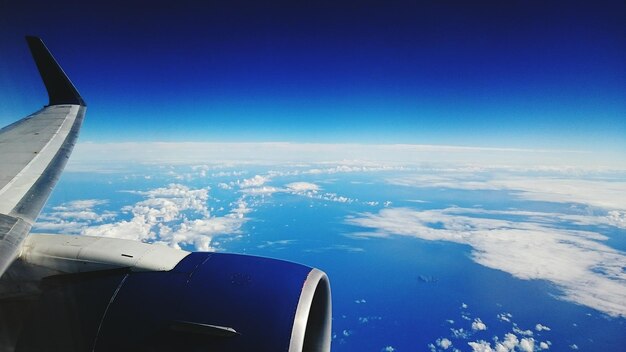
x,y
60,88
31,38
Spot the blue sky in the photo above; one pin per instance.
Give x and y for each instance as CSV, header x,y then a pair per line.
x,y
521,74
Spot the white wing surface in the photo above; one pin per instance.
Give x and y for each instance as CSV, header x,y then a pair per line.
x,y
33,153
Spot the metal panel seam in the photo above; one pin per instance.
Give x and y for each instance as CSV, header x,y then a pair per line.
x,y
95,340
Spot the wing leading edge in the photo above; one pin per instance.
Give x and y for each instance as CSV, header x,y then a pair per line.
x,y
34,151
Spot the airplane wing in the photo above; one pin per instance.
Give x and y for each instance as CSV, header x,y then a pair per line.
x,y
34,151
80,293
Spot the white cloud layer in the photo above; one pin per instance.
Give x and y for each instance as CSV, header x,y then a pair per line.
x,y
585,270
605,194
277,152
72,217
305,189
175,215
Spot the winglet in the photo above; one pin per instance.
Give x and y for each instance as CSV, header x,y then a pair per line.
x,y
60,88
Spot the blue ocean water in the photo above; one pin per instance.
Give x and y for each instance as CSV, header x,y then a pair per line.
x,y
392,293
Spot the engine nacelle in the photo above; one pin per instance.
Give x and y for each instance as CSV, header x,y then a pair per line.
x,y
208,302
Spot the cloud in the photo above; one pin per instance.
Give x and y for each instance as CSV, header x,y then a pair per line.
x,y
72,217
265,190
89,153
527,344
365,320
478,325
348,169
173,198
606,194
302,187
507,343
305,189
586,271
505,317
255,181
276,244
200,232
257,185
617,218
337,247
459,333
176,215
58,226
311,190
603,194
137,228
228,173
612,218
540,327
519,331
480,346
80,204
388,349
223,185
444,343
82,210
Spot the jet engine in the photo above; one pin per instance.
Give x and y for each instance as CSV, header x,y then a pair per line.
x,y
206,302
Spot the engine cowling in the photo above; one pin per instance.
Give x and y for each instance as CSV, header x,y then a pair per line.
x,y
207,302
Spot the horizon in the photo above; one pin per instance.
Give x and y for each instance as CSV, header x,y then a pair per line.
x,y
98,154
